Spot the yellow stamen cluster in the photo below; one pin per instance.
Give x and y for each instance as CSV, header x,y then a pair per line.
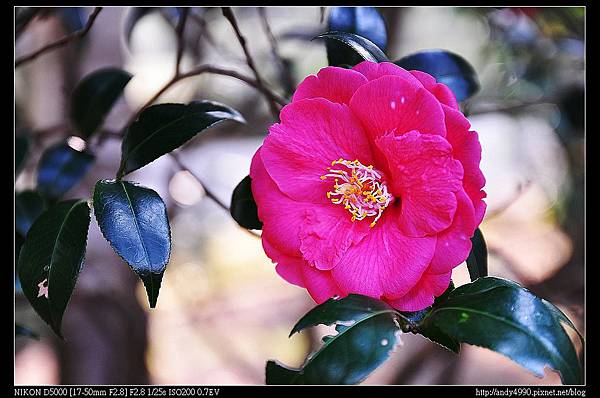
x,y
359,189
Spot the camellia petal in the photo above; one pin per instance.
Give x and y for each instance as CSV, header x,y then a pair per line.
x,y
328,234
423,293
454,244
282,217
288,267
467,150
322,233
424,177
312,134
372,71
320,285
370,184
394,105
335,84
439,90
386,262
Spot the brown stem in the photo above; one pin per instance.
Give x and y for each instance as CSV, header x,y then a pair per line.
x,y
228,13
61,42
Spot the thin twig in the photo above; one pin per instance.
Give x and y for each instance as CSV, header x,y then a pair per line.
x,y
208,37
228,13
63,41
194,72
272,40
208,192
214,70
284,67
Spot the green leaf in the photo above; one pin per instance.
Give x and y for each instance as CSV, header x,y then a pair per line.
x,y
61,168
364,47
134,220
94,97
436,335
21,151
21,330
447,68
363,21
346,310
505,317
477,262
413,322
558,314
367,332
28,206
165,127
52,257
243,207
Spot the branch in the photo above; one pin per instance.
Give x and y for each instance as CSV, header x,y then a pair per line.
x,y
61,42
284,69
249,60
208,192
270,35
214,70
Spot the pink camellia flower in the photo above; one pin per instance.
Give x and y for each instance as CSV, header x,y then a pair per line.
x,y
370,184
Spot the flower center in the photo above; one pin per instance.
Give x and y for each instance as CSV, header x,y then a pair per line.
x,y
359,188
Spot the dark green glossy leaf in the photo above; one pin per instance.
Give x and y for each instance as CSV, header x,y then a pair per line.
x,y
21,330
367,331
444,296
279,374
362,21
558,314
61,168
165,127
51,258
436,335
447,68
94,97
134,220
28,206
343,311
364,48
412,322
477,262
505,317
243,207
21,151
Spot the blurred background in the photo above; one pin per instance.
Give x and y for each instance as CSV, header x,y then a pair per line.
x,y
222,310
